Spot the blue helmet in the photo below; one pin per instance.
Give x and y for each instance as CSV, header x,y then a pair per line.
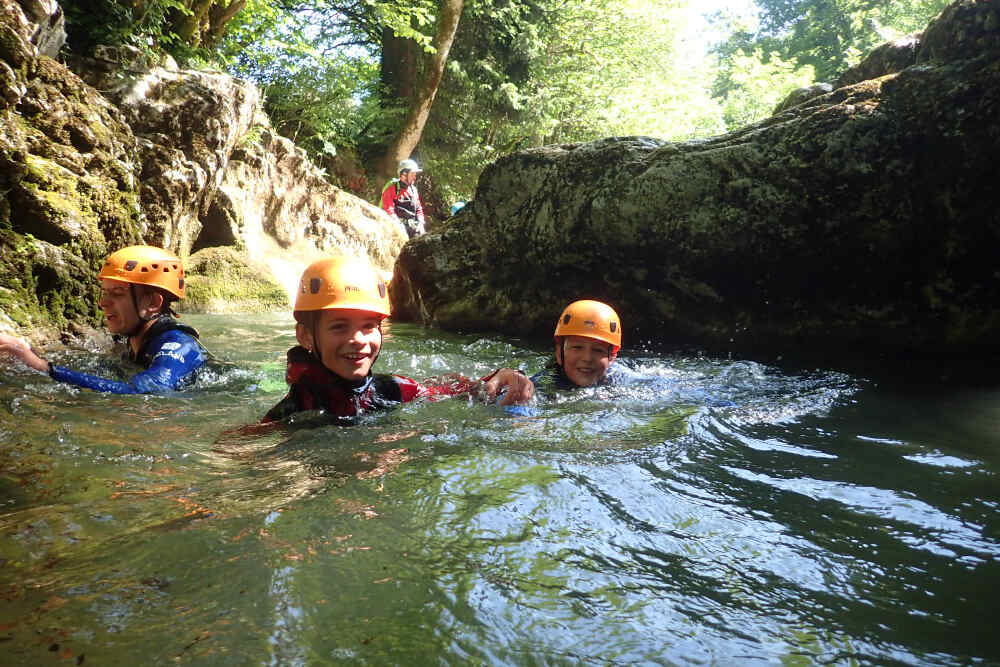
x,y
457,206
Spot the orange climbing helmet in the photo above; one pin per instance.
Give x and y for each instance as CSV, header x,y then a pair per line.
x,y
146,265
591,319
342,282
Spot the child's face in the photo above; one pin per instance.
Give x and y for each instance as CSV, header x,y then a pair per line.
x,y
348,341
586,360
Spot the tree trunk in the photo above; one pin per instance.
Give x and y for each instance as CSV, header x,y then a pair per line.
x,y
398,66
412,128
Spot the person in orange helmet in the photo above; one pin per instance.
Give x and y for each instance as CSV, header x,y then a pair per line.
x,y
138,286
339,309
588,337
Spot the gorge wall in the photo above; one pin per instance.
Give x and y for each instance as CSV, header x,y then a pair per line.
x,y
865,215
114,149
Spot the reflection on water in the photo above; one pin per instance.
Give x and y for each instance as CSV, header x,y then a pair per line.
x,y
717,511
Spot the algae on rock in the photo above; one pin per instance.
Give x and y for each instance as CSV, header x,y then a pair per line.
x,y
219,279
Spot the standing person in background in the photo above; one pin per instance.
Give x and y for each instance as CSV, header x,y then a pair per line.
x,y
138,286
401,200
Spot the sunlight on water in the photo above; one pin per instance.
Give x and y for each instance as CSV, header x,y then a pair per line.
x,y
711,511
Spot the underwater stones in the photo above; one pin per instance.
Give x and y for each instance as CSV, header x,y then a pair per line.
x,y
863,218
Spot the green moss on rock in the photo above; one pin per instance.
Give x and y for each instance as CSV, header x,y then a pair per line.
x,y
222,280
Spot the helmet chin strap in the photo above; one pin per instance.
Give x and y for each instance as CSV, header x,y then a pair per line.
x,y
315,338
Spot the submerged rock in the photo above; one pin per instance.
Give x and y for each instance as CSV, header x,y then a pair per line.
x,y
867,216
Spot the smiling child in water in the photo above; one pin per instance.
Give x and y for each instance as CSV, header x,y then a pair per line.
x,y
339,309
588,337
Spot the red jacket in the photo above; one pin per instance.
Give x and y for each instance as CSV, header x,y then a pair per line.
x,y
313,387
404,203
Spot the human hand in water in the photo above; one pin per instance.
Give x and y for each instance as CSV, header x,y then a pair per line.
x,y
516,386
17,348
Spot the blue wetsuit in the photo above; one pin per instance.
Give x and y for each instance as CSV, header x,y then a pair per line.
x,y
171,354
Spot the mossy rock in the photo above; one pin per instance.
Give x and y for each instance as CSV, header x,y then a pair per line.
x,y
221,280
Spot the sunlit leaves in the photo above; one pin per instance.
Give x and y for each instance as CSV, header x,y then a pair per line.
x,y
832,35
757,84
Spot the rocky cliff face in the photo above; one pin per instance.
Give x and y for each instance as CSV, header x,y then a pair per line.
x,y
169,157
865,216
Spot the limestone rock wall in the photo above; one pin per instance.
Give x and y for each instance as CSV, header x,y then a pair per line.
x,y
170,157
866,217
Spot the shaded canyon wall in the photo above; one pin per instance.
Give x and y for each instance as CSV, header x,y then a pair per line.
x,y
866,216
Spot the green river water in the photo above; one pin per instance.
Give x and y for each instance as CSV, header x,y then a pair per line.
x,y
722,512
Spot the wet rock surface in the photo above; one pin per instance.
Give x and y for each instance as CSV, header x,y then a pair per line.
x,y
864,218
117,149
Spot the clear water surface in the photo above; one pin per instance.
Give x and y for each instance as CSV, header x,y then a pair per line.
x,y
721,512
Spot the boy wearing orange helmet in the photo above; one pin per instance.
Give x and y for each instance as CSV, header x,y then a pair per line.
x,y
339,309
587,339
138,286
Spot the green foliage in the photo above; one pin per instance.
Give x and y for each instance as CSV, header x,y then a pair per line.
x,y
756,84
318,66
526,74
829,35
147,26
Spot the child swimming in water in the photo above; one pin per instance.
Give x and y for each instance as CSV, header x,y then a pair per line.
x,y
339,309
588,337
138,286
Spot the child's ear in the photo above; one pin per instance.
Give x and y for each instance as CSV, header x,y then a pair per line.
x,y
303,334
559,354
152,302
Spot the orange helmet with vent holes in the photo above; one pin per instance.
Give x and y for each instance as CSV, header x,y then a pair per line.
x,y
342,282
146,265
591,319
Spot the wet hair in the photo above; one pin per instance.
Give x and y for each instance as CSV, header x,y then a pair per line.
x,y
306,317
168,298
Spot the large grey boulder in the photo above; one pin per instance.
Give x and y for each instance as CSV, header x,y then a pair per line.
x,y
868,216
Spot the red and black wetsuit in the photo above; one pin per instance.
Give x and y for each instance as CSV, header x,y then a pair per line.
x,y
313,387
